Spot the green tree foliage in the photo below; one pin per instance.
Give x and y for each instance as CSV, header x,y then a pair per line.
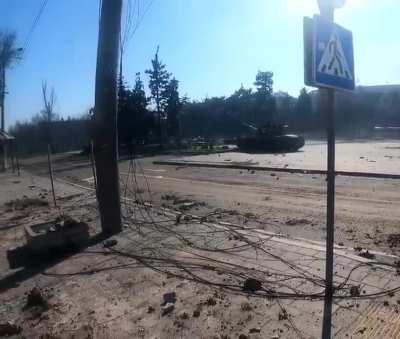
x,y
241,105
173,108
285,107
158,83
264,84
134,120
9,53
266,104
304,109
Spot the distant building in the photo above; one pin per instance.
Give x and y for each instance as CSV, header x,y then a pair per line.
x,y
377,90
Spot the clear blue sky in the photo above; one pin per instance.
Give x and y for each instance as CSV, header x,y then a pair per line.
x,y
211,46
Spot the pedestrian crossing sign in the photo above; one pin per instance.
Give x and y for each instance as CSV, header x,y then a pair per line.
x,y
332,57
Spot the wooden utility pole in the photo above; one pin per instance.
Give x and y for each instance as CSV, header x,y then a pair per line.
x,y
328,104
105,121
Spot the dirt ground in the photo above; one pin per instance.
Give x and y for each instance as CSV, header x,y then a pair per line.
x,y
105,293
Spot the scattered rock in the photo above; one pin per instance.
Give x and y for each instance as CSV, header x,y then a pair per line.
x,y
36,299
246,307
252,285
184,315
8,329
110,243
283,315
295,221
393,240
169,297
243,336
196,313
386,303
355,291
211,301
167,308
273,175
186,206
255,330
340,244
362,330
21,204
366,254
150,309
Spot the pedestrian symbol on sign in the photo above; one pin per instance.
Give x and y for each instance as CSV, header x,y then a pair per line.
x,y
333,61
332,55
328,55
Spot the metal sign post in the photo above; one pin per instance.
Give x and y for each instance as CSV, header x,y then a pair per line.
x,y
328,65
329,102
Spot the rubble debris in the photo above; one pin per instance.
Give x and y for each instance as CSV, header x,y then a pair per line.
x,y
169,297
167,308
362,330
243,336
255,330
184,315
8,329
283,315
36,299
366,254
393,240
246,307
187,206
355,291
196,313
252,285
64,233
110,243
21,204
168,197
150,309
210,301
295,221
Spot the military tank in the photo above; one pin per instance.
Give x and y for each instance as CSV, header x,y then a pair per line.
x,y
270,138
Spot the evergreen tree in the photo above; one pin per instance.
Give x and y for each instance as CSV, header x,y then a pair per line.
x,y
158,83
304,109
173,108
134,123
266,105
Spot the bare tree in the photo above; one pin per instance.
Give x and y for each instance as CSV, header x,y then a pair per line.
x,y
49,100
9,55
